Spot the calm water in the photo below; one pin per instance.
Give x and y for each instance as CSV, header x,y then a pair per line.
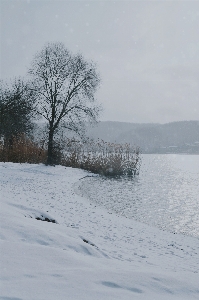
x,y
165,194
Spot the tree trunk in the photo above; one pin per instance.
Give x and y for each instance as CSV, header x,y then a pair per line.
x,y
50,157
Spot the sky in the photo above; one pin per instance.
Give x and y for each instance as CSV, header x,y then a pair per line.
x,y
147,52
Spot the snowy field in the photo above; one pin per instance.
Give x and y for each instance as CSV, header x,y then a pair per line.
x,y
87,253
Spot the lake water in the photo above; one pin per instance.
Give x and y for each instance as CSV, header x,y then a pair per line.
x,y
164,195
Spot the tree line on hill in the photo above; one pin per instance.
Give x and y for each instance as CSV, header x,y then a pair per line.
x,y
174,137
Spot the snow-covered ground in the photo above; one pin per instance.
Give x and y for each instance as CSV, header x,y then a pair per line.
x,y
87,253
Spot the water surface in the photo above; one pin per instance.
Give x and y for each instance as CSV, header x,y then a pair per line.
x,y
165,194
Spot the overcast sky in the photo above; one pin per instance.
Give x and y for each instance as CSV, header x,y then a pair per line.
x,y
147,52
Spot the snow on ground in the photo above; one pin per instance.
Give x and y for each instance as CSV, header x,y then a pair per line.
x,y
87,252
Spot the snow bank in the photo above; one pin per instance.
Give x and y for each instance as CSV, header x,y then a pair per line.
x,y
86,252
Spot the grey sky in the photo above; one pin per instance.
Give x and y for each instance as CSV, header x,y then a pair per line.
x,y
147,51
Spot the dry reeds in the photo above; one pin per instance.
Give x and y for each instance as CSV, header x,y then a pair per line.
x,y
20,149
103,158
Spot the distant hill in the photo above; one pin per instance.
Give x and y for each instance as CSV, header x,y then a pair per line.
x,y
175,137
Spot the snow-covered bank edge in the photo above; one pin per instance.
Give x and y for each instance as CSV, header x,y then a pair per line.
x,y
89,253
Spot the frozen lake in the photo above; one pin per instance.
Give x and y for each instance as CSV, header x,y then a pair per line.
x,y
164,195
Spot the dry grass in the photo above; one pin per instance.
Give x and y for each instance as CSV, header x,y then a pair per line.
x,y
20,149
102,158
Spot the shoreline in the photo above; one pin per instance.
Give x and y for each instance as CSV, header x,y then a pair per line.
x,y
166,199
108,256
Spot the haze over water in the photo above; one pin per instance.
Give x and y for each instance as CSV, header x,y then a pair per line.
x,y
164,195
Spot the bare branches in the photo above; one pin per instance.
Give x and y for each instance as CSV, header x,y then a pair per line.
x,y
64,86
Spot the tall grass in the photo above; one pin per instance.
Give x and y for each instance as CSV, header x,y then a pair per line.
x,y
99,157
104,158
20,149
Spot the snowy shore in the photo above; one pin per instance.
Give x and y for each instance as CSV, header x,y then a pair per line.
x,y
87,252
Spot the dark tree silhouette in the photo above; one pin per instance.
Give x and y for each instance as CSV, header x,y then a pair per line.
x,y
63,86
16,109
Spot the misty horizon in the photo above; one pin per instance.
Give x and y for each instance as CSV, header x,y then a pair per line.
x,y
146,52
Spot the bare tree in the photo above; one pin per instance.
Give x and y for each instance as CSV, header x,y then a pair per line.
x,y
63,86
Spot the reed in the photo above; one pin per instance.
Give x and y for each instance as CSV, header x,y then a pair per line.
x,y
108,159
103,158
20,149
